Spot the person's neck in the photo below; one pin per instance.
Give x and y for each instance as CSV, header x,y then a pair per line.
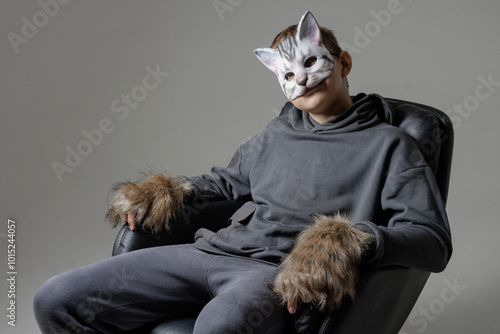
x,y
330,112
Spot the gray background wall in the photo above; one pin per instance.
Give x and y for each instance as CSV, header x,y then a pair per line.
x,y
69,75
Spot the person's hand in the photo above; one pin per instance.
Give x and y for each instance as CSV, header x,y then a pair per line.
x,y
149,204
292,305
322,267
129,218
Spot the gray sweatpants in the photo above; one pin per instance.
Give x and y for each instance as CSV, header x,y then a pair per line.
x,y
231,295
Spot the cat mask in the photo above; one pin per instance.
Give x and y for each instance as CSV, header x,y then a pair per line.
x,y
301,61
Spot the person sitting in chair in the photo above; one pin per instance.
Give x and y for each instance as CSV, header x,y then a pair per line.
x,y
328,187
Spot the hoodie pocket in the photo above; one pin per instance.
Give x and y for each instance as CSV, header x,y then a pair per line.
x,y
241,217
243,214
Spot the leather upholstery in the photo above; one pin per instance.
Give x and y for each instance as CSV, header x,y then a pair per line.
x,y
214,215
386,296
433,132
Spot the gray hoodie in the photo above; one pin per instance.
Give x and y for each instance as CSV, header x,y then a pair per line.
x,y
356,163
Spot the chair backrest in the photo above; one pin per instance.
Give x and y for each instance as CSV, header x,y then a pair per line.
x,y
432,131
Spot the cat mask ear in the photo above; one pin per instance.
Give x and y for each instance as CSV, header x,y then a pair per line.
x,y
268,57
301,61
308,29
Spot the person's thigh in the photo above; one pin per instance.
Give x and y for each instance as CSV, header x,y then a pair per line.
x,y
243,301
125,291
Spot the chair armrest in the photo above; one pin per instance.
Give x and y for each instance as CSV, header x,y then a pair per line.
x,y
214,216
385,298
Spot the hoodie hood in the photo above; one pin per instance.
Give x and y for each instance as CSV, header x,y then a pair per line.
x,y
366,112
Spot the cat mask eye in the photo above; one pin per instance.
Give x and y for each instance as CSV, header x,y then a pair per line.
x,y
301,61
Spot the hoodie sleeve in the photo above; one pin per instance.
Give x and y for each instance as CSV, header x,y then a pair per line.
x,y
417,233
230,182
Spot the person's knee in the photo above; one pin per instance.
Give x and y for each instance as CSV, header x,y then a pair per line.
x,y
47,304
46,298
54,300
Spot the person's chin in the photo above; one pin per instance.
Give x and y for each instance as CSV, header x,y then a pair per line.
x,y
307,102
311,90
306,94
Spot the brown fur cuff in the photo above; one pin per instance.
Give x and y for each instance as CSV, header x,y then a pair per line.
x,y
322,267
154,200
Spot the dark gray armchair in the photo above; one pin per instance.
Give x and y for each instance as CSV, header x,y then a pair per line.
x,y
385,296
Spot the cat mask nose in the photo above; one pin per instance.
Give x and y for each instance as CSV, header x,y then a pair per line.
x,y
302,79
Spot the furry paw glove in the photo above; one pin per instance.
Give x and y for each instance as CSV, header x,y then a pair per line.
x,y
153,200
323,265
